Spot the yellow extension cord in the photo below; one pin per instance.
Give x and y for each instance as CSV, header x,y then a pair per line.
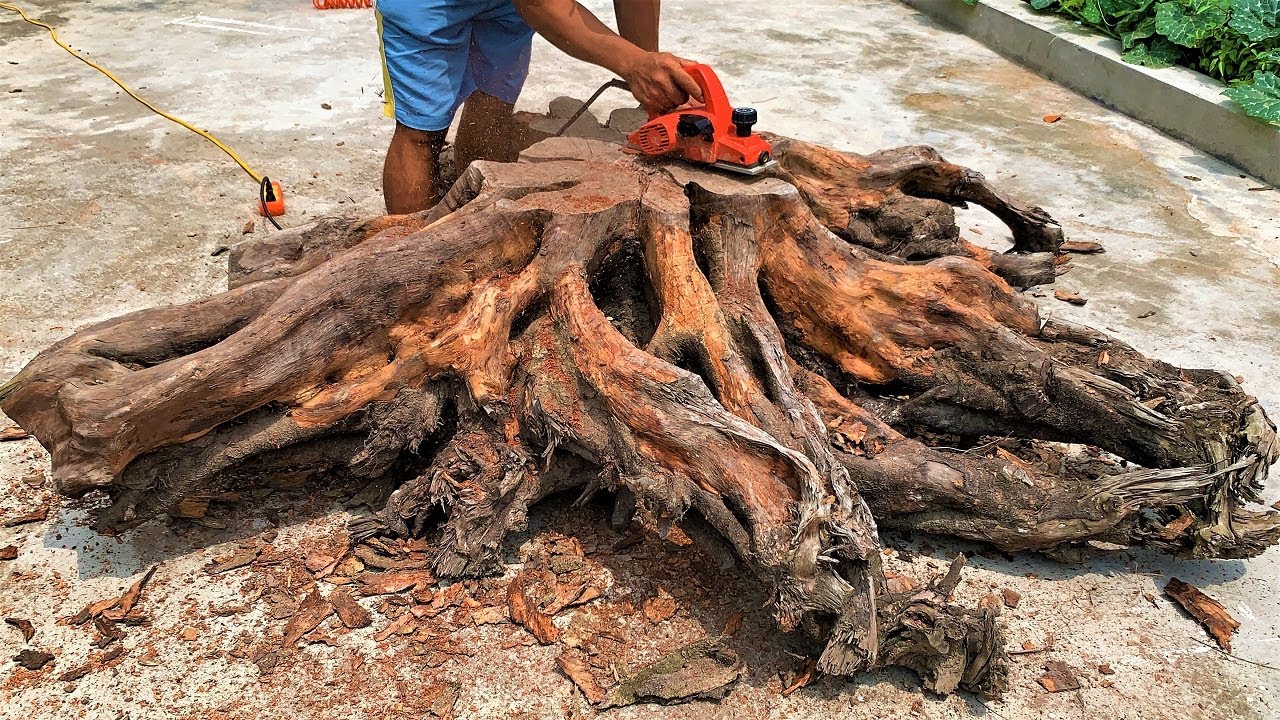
x,y
53,33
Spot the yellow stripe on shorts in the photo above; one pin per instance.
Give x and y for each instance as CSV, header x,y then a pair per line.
x,y
388,99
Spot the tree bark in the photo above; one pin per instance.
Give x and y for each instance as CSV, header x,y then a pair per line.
x,y
797,360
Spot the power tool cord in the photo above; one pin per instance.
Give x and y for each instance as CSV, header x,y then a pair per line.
x,y
265,191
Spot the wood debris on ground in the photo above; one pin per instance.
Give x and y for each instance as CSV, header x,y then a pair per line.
x,y
803,678
9,552
24,626
312,611
33,659
703,670
524,610
13,432
1069,297
1058,677
1211,613
579,672
242,557
115,609
660,608
1084,247
37,515
350,612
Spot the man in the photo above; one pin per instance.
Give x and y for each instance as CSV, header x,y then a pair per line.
x,y
440,54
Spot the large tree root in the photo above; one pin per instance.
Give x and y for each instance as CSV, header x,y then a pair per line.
x,y
790,359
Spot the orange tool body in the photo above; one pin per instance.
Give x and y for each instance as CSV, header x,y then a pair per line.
x,y
336,4
715,134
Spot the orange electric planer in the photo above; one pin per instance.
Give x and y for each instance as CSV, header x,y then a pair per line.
x,y
716,134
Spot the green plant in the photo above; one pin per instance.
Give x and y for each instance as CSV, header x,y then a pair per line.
x,y
1235,41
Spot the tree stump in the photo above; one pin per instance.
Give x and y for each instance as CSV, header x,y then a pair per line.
x,y
793,360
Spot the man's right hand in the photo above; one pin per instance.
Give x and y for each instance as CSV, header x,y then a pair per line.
x,y
659,82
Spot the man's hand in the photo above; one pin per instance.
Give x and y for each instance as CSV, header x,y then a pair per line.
x,y
657,79
659,82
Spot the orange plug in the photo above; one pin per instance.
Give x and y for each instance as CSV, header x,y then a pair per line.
x,y
271,199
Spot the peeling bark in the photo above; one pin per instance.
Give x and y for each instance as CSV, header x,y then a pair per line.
x,y
797,360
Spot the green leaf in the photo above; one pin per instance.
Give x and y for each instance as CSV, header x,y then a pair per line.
x,y
1189,25
1261,99
1090,13
1042,4
1144,30
1120,9
1258,20
1159,54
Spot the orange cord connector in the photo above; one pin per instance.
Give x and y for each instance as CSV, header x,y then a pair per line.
x,y
335,4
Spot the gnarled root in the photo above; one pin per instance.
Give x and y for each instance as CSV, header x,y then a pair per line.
x,y
710,346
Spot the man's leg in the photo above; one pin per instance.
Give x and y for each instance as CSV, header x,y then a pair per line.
x,y
424,50
497,65
485,132
411,174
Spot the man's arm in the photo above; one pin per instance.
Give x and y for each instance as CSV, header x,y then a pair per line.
x,y
657,79
638,22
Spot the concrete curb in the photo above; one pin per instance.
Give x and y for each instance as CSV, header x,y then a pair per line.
x,y
1179,101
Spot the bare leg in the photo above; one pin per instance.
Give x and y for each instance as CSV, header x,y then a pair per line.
x,y
485,132
411,175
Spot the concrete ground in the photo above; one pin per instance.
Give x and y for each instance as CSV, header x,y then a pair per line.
x,y
107,208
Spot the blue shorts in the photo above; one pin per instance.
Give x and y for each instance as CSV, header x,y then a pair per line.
x,y
435,53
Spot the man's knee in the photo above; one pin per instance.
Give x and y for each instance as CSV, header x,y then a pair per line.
x,y
426,139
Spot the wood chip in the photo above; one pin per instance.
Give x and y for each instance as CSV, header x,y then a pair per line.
x,y
897,583
130,597
524,610
372,584
190,508
1106,669
24,626
703,670
403,625
238,560
1177,526
13,432
733,624
568,596
1208,611
1029,648
33,659
76,673
804,678
36,515
1058,677
1050,119
189,634
1083,247
489,616
1069,297
1011,597
659,609
9,552
351,613
580,673
248,228
311,612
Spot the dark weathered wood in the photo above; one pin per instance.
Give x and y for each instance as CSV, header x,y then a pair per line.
x,y
795,360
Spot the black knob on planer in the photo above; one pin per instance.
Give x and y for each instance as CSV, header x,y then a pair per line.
x,y
743,118
695,125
